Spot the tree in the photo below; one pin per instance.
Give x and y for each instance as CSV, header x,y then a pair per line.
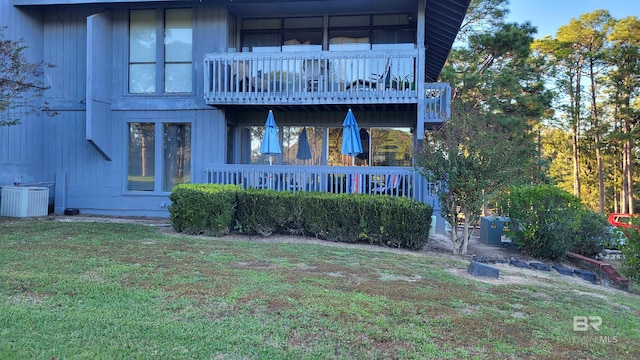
x,y
595,63
475,153
567,73
498,98
624,81
592,37
20,83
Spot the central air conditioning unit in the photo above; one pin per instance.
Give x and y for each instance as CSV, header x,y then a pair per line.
x,y
20,201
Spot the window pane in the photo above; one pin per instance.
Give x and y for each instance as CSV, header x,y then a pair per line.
x,y
177,155
251,138
178,36
261,24
142,78
292,154
391,147
141,162
349,21
178,78
142,36
337,158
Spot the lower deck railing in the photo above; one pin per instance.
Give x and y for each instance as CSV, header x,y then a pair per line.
x,y
379,180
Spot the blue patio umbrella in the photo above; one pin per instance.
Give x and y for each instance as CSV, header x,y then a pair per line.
x,y
351,142
304,151
270,144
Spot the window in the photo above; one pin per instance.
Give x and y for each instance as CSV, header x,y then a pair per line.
x,y
298,151
141,174
271,33
391,147
170,65
172,141
251,138
380,147
337,158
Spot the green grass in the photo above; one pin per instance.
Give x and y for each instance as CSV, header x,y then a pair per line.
x,y
119,291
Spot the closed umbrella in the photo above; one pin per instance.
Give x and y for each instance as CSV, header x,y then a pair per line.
x,y
304,151
270,144
351,143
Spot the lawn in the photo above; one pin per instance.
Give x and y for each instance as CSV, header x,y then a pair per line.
x,y
119,291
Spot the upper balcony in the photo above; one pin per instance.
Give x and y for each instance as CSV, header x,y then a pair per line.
x,y
295,77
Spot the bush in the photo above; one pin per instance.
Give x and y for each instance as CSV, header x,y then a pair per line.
x,y
203,208
381,220
544,219
266,212
593,233
406,217
549,222
631,252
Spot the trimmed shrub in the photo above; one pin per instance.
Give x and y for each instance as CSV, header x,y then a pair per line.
x,y
549,222
266,212
203,208
381,220
405,223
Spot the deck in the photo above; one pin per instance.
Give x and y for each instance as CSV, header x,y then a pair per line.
x,y
323,78
378,180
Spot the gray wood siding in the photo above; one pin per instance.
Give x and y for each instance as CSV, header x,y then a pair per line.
x,y
42,147
65,41
98,186
22,153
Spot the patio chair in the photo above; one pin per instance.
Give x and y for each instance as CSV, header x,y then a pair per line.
x,y
392,186
241,76
376,82
314,75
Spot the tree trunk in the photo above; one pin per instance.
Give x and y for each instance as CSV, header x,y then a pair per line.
x,y
629,175
465,235
576,164
600,175
574,103
624,195
455,239
596,136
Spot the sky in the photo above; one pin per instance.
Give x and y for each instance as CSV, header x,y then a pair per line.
x,y
549,15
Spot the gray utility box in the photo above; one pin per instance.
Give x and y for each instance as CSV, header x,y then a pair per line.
x,y
494,230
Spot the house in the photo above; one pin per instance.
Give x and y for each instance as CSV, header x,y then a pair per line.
x,y
151,94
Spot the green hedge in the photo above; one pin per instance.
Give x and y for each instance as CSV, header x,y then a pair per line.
x,y
550,221
631,251
203,208
380,220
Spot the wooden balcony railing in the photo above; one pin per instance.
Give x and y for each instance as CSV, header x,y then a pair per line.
x,y
320,77
379,180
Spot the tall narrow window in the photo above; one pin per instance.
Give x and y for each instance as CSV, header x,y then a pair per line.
x,y
142,51
166,66
178,51
177,155
142,155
